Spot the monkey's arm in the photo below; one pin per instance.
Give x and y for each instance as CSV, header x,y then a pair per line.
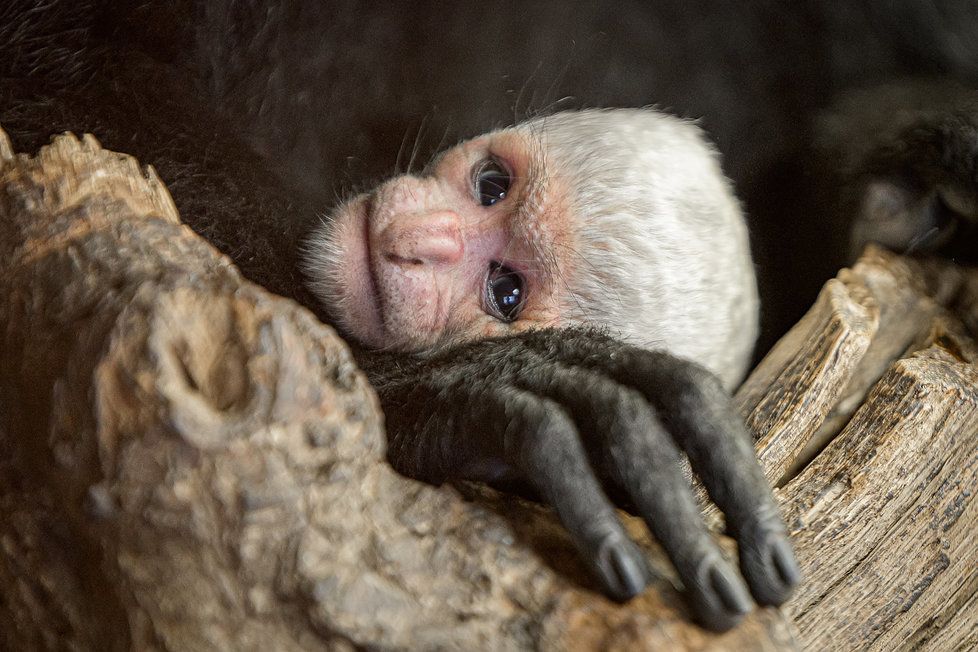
x,y
574,414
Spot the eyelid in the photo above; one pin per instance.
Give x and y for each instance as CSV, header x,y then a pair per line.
x,y
490,305
495,172
483,160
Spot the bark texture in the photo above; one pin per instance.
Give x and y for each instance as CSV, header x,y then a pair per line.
x,y
190,462
869,415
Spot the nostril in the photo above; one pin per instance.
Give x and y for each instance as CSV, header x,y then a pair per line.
x,y
398,260
430,238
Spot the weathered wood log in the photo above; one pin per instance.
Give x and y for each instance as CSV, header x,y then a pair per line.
x,y
189,462
884,518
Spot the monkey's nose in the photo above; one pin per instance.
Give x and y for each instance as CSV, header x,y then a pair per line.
x,y
431,238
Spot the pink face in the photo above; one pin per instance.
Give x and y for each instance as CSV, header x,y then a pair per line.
x,y
465,251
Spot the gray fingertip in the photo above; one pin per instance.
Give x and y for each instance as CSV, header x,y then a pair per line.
x,y
717,593
730,590
720,598
621,566
782,560
772,570
629,570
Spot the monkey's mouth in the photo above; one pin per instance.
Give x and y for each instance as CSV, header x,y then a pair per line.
x,y
372,295
374,305
359,305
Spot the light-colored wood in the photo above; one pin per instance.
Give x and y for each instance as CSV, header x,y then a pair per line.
x,y
787,397
6,149
883,518
192,463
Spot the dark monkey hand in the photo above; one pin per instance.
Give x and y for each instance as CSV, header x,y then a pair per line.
x,y
578,416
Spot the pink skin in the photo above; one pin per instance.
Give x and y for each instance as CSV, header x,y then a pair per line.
x,y
416,250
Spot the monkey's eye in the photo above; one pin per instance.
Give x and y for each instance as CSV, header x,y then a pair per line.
x,y
504,292
491,182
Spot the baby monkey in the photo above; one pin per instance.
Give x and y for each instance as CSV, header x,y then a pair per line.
x,y
505,265
619,219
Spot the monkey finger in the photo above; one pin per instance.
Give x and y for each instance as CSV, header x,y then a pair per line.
x,y
648,466
702,420
705,424
547,451
488,429
639,458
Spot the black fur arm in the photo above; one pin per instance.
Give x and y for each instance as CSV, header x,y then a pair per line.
x,y
580,416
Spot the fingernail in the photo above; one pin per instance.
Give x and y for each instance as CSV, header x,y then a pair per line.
x,y
783,560
729,589
628,571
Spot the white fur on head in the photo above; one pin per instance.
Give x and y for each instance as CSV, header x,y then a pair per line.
x,y
663,257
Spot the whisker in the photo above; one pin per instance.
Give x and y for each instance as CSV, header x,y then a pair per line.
x,y
400,151
921,239
417,143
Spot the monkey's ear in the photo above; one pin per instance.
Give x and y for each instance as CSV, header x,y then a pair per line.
x,y
908,219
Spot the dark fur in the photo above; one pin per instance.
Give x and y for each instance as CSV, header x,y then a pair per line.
x,y
328,93
572,410
132,86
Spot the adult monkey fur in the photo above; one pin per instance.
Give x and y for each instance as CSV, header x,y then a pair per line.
x,y
332,91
